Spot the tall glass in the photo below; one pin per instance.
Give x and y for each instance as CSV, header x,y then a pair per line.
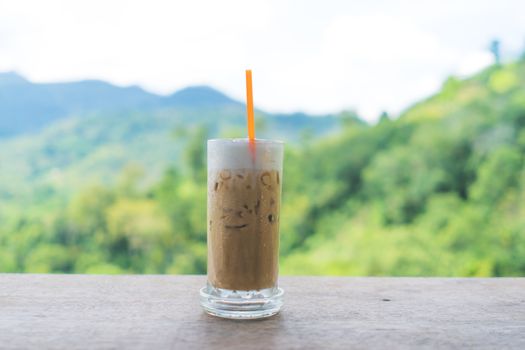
x,y
244,200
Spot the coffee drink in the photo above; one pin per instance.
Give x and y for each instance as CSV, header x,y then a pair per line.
x,y
243,228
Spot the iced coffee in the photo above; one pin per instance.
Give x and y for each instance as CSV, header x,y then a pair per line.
x,y
244,198
243,232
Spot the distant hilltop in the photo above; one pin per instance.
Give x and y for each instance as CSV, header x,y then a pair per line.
x,y
27,106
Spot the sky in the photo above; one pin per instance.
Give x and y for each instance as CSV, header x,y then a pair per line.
x,y
310,56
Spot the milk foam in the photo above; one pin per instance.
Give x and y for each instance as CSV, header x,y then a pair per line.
x,y
236,154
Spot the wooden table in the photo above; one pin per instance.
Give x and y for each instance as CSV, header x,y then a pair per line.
x,y
163,312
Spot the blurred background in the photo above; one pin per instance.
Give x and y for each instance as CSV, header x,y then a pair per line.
x,y
404,123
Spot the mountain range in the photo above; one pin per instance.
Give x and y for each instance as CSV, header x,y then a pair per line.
x,y
437,191
58,137
29,107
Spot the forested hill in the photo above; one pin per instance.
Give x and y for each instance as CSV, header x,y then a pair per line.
x,y
27,107
58,137
438,191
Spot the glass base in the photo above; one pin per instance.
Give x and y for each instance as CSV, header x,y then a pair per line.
x,y
241,305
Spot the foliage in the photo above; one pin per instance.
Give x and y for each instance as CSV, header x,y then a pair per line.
x,y
438,191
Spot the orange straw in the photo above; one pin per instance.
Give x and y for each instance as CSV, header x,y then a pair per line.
x,y
249,110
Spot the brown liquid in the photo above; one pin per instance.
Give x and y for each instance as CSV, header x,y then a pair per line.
x,y
243,228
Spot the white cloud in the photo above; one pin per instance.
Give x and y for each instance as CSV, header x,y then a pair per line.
x,y
309,55
473,62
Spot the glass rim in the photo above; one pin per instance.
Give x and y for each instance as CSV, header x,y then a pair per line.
x,y
245,140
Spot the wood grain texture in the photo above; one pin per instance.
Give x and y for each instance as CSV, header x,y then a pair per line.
x,y
163,312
